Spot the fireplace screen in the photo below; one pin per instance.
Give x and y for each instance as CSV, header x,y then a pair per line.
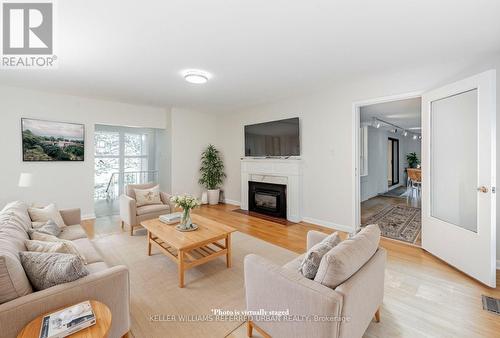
x,y
266,200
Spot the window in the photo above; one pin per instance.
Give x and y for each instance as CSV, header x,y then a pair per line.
x,y
122,156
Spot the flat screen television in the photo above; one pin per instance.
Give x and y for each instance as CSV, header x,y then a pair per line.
x,y
276,138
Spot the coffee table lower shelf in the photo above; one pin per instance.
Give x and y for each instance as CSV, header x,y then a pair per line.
x,y
188,258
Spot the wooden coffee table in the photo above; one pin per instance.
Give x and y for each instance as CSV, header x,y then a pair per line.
x,y
190,249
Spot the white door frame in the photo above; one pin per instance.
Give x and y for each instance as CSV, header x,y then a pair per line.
x,y
356,111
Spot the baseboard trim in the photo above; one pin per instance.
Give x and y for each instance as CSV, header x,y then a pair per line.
x,y
328,224
233,202
88,216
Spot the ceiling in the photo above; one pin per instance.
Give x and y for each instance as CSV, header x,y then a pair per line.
x,y
403,113
257,51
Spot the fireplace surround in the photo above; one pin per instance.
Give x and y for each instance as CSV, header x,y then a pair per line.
x,y
285,172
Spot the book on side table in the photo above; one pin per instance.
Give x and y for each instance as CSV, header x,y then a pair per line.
x,y
67,321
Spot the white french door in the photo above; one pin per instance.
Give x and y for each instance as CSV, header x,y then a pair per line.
x,y
458,175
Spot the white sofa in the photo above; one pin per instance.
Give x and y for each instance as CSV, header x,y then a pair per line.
x,y
270,287
19,303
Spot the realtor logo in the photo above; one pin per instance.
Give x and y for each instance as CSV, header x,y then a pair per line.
x,y
27,28
28,35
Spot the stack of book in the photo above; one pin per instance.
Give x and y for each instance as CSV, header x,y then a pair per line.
x,y
67,321
171,218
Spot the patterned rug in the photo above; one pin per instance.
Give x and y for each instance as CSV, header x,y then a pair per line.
x,y
398,222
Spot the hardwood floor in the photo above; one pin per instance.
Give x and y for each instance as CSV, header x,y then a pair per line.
x,y
424,297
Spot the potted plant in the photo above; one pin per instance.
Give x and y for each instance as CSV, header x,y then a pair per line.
x,y
212,173
412,160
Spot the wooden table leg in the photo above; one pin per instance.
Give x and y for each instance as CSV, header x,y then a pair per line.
x,y
377,315
228,248
149,243
181,268
249,329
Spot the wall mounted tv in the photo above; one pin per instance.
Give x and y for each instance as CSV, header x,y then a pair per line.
x,y
277,138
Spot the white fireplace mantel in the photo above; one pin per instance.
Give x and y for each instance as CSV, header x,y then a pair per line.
x,y
279,171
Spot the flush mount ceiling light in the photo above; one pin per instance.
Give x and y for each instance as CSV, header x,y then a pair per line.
x,y
196,76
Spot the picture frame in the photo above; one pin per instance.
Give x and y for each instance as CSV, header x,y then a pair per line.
x,y
52,141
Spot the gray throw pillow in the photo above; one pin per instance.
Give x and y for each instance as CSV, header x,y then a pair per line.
x,y
49,228
312,259
48,269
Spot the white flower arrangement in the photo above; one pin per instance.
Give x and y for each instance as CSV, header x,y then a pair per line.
x,y
186,202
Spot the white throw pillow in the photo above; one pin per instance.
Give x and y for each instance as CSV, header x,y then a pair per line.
x,y
147,196
42,246
38,236
48,213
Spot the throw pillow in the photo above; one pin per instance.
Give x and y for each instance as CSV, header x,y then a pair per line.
x,y
49,228
48,269
39,236
48,213
41,246
345,259
312,259
148,196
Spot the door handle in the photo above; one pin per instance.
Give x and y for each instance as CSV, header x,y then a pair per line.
x,y
482,189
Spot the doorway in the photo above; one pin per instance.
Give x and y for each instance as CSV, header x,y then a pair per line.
x,y
390,148
392,161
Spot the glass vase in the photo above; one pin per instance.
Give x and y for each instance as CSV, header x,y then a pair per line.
x,y
186,219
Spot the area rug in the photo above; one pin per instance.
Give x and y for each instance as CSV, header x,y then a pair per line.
x,y
159,308
399,222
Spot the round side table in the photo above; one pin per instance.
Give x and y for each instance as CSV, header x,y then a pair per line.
x,y
98,330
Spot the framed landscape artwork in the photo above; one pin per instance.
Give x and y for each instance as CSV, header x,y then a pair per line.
x,y
52,141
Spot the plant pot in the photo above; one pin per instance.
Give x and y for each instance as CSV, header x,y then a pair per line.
x,y
213,196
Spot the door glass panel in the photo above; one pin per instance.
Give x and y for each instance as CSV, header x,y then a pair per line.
x,y
104,169
135,145
454,160
107,143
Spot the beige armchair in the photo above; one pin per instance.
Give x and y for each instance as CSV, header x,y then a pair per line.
x,y
270,287
132,215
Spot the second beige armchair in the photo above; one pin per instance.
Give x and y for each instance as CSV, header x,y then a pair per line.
x,y
132,215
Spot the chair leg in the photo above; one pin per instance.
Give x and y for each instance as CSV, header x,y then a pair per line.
x,y
249,329
123,224
377,315
131,230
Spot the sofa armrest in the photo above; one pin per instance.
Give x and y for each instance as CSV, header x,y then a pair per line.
x,y
274,288
314,237
165,198
363,293
71,216
110,286
128,210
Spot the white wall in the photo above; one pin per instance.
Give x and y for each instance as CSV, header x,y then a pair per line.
x,y
327,134
376,181
68,184
191,133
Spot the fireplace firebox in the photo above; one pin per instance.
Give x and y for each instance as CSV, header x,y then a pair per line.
x,y
267,198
